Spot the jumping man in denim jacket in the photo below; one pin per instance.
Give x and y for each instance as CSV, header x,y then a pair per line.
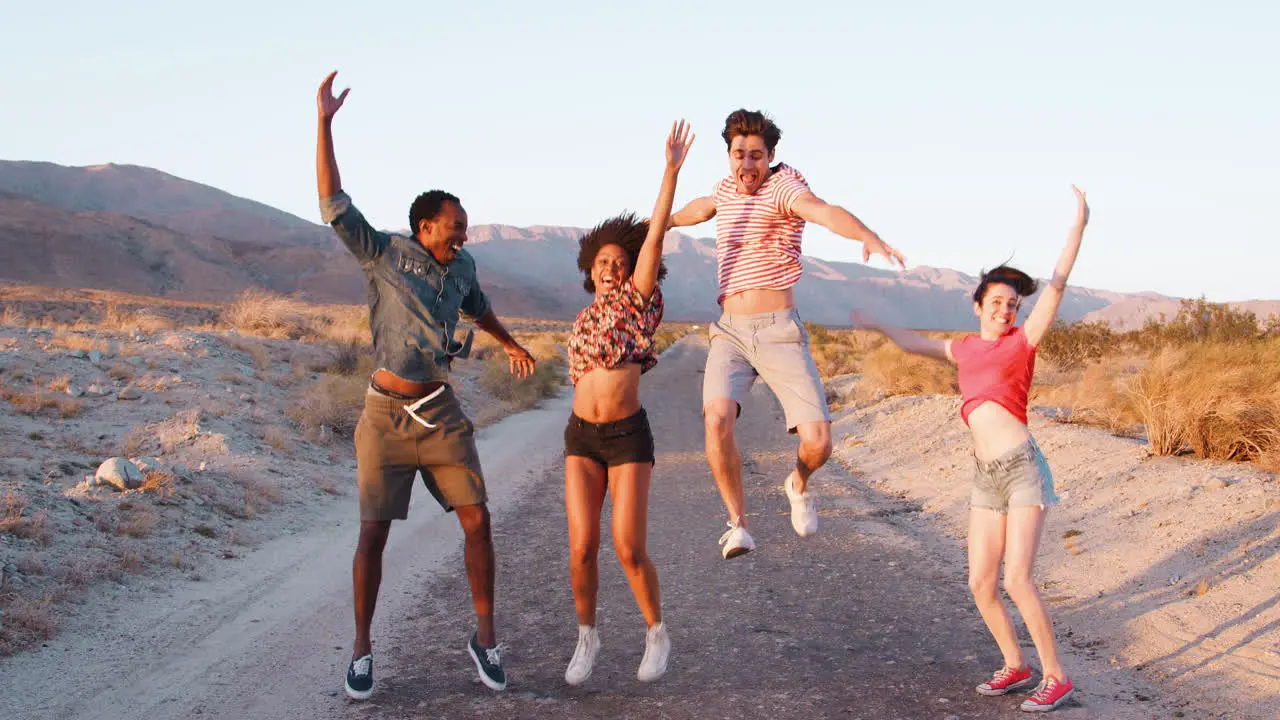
x,y
412,422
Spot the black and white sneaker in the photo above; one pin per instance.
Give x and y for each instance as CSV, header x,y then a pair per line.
x,y
488,663
360,678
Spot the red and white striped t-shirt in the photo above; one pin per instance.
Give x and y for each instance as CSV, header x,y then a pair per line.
x,y
758,236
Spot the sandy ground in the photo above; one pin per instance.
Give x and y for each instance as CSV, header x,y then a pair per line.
x,y
1169,566
260,636
869,619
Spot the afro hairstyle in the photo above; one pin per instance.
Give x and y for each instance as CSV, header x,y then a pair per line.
x,y
627,232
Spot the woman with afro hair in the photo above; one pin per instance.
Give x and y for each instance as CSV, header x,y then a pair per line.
x,y
608,442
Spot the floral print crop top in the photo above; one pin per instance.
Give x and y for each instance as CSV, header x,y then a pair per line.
x,y
616,328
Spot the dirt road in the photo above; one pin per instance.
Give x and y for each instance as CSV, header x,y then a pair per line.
x,y
859,621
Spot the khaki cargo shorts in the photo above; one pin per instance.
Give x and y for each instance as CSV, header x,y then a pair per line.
x,y
392,447
774,347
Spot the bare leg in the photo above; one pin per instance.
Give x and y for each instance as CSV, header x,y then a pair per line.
x,y
584,491
815,449
986,550
480,568
366,576
720,417
630,487
1022,540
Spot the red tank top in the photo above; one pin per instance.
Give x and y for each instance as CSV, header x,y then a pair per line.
x,y
997,370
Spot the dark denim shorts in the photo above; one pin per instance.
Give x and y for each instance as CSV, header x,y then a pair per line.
x,y
613,443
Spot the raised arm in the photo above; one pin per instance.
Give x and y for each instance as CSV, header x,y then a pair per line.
x,y
912,342
645,275
1046,309
336,209
843,223
328,181
696,212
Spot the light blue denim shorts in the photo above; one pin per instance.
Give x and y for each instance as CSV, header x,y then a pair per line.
x,y
1019,478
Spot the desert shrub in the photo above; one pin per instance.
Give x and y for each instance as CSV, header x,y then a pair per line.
x,y
278,438
1071,345
547,380
260,312
887,370
1220,400
333,401
1095,395
255,350
1199,321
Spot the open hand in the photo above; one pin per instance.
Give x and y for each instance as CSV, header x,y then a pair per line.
x,y
678,144
1082,206
522,363
326,103
876,246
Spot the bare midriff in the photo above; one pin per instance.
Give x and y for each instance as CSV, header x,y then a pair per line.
x,y
605,395
751,302
995,431
411,388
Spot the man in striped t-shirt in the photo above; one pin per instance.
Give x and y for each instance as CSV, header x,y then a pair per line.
x,y
760,212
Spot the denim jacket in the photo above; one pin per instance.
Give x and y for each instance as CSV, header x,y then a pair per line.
x,y
414,301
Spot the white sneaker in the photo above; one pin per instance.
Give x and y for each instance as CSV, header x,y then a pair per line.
x,y
736,541
803,516
657,648
584,657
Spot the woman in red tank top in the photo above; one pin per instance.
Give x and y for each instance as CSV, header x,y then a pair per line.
x,y
1013,487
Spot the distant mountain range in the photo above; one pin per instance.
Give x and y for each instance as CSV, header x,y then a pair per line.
x,y
135,229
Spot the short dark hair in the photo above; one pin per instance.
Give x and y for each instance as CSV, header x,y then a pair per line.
x,y
627,232
1023,284
751,122
427,206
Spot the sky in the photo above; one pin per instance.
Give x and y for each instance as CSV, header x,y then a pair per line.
x,y
954,130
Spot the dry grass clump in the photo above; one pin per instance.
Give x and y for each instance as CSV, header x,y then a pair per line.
x,y
278,438
260,312
158,483
15,521
255,350
27,621
76,341
347,358
343,324
133,319
547,380
136,521
1206,382
1095,395
333,401
1218,400
887,370
13,317
136,441
264,313
840,352
246,496
121,371
33,402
